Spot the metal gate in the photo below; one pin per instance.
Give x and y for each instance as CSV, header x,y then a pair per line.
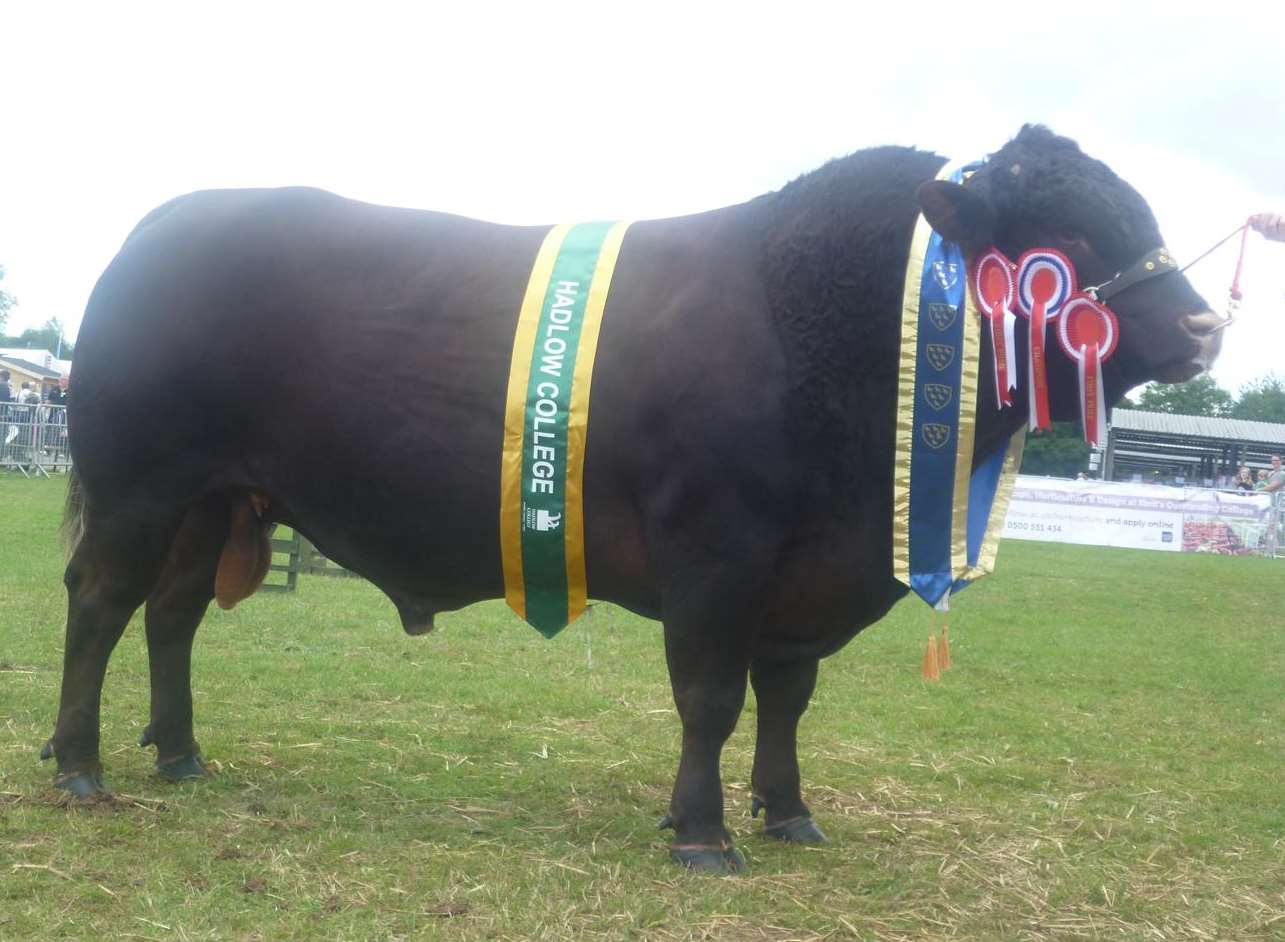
x,y
33,438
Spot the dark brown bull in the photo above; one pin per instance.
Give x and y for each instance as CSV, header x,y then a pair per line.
x,y
346,364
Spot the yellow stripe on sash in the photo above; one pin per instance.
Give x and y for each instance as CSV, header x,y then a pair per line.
x,y
514,419
906,401
578,421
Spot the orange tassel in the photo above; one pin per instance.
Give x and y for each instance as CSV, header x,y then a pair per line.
x,y
943,649
930,670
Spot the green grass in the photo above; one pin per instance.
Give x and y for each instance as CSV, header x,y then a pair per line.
x,y
1106,760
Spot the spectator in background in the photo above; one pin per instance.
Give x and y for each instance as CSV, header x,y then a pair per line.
x,y
1276,479
1245,479
1262,480
6,397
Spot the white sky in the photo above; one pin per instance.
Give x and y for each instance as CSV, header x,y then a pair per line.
x,y
545,112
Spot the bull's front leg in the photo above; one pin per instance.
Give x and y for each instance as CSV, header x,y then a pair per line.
x,y
782,689
708,676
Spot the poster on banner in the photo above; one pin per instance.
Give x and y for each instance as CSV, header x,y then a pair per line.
x,y
1140,516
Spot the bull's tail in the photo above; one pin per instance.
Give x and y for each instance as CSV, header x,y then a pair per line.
x,y
73,518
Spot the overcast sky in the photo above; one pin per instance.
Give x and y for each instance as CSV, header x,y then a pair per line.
x,y
546,112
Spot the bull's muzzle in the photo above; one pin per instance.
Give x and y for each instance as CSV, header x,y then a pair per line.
x,y
1206,332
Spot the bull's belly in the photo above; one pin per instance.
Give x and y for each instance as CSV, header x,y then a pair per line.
x,y
425,527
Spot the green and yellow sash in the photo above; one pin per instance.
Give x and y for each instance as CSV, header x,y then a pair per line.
x,y
545,423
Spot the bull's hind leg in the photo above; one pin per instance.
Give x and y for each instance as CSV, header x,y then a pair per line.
x,y
113,569
708,674
174,611
783,689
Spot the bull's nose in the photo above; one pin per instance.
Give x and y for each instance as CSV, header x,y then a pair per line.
x,y
1206,329
1203,324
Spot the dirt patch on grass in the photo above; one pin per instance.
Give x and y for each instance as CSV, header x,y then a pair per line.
x,y
99,804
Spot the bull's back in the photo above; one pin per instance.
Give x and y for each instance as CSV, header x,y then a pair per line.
x,y
352,361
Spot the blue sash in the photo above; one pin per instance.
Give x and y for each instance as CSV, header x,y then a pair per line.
x,y
946,520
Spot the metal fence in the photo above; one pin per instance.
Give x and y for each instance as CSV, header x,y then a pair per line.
x,y
33,438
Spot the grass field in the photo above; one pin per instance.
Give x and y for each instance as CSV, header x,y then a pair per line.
x,y
1105,761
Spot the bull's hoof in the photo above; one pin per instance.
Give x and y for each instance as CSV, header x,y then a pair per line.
x,y
722,861
802,830
86,784
183,768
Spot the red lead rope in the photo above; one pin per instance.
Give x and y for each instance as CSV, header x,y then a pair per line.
x,y
1271,226
1240,262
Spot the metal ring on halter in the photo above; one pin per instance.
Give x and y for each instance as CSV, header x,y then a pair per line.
x,y
1232,307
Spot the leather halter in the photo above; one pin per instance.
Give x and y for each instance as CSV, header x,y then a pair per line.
x,y
1154,263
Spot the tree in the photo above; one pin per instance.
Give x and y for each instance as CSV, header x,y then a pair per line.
x,y
48,337
1060,452
1200,396
6,302
1263,400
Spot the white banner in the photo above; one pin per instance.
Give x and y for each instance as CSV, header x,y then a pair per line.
x,y
1139,516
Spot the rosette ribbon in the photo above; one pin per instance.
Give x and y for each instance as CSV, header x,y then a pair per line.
x,y
1045,280
1088,333
995,289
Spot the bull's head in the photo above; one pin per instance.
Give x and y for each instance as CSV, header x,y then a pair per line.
x,y
1040,190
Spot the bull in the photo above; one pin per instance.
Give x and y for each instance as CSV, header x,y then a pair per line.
x,y
738,481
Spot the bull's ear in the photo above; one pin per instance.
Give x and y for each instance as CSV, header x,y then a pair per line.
x,y
959,215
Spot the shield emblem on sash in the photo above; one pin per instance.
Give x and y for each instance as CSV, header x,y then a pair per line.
x,y
946,273
940,355
938,395
935,434
941,315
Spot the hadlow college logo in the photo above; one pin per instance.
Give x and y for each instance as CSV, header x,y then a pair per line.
x,y
541,520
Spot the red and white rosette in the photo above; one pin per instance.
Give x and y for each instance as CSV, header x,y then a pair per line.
x,y
995,290
1045,280
1089,332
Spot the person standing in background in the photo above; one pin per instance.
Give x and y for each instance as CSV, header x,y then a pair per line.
x,y
1276,479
